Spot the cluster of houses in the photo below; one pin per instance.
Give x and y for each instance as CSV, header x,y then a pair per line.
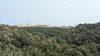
x,y
32,25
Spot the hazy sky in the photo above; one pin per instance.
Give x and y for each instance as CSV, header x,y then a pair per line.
x,y
57,12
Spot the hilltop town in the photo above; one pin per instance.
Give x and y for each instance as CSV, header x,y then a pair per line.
x,y
34,25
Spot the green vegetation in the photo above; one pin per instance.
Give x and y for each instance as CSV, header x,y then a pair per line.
x,y
81,40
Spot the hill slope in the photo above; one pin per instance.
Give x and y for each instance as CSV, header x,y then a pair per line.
x,y
81,40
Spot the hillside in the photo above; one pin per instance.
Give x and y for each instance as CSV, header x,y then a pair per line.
x,y
81,40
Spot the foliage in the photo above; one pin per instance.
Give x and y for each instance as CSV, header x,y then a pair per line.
x,y
81,40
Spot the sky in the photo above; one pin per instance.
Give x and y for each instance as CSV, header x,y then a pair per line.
x,y
49,12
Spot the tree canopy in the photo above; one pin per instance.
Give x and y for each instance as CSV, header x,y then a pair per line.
x,y
81,40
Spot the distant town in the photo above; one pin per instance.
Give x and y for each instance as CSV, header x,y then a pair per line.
x,y
33,25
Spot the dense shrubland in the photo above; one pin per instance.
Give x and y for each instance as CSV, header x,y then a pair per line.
x,y
81,40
